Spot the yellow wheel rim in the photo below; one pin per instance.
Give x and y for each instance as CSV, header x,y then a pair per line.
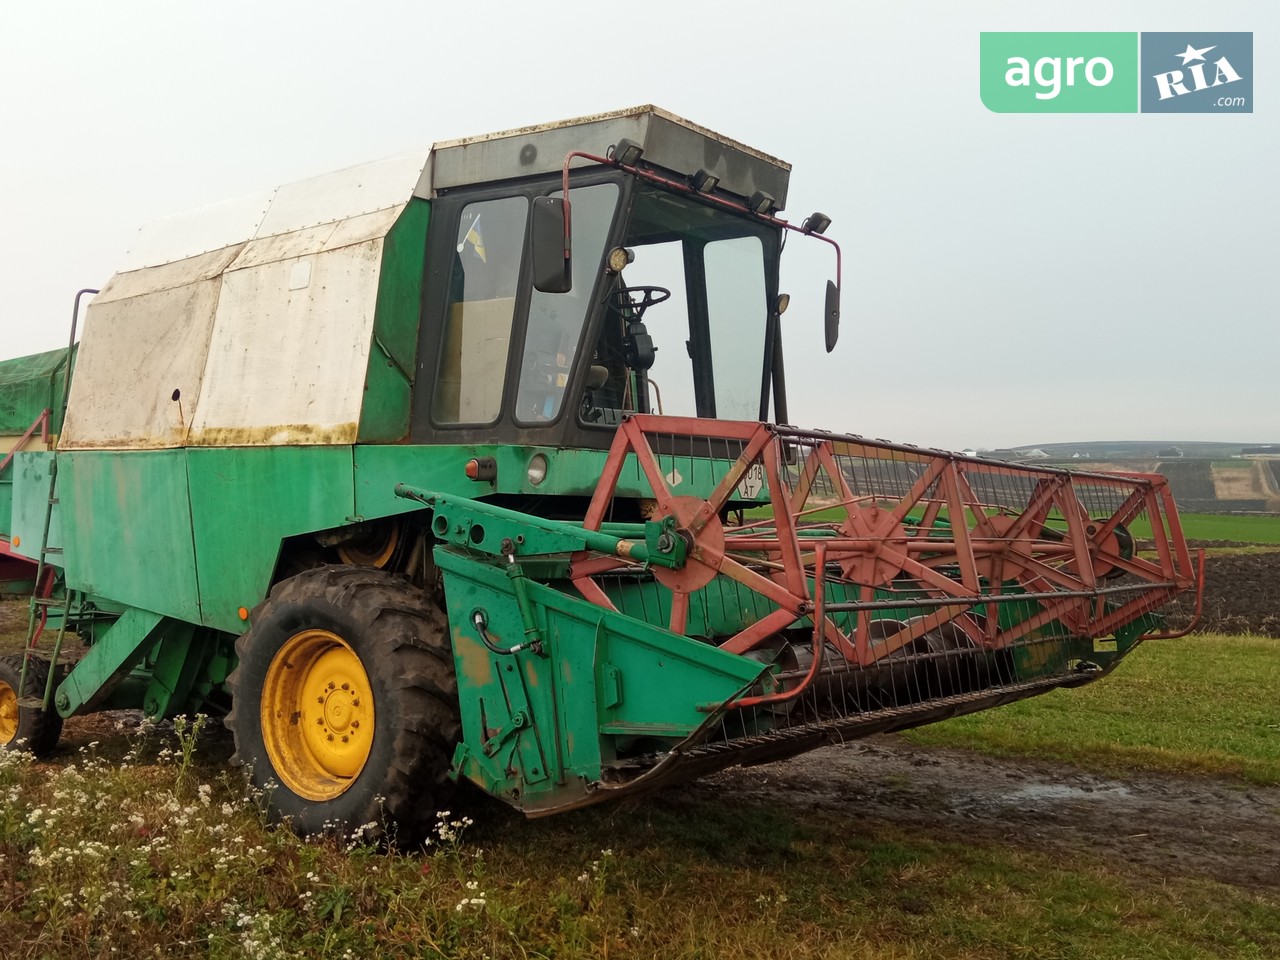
x,y
317,715
8,714
375,551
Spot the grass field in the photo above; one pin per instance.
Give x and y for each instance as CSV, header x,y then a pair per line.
x,y
1211,526
1202,704
149,846
167,857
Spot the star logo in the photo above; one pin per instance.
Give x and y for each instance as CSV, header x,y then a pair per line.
x,y
1191,53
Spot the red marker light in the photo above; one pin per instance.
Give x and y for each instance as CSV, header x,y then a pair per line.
x,y
481,469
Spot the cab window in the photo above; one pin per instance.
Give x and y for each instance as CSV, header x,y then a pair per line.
x,y
483,282
556,319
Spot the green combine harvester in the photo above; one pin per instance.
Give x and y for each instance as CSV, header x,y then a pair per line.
x,y
473,465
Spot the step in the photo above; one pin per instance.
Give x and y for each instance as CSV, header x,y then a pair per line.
x,y
52,549
31,703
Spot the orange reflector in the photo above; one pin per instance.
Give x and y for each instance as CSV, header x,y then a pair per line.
x,y
244,613
481,468
17,541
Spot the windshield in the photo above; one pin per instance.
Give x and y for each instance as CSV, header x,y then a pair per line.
x,y
683,331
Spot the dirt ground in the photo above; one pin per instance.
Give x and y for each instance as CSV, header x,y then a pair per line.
x,y
1169,826
1241,595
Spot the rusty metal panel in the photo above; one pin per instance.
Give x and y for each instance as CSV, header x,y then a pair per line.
x,y
289,349
140,366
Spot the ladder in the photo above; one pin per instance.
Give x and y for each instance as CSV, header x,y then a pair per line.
x,y
45,602
42,606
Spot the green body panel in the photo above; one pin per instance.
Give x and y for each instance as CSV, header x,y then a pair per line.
x,y
110,660
177,662
29,473
538,728
132,537
244,501
384,415
573,472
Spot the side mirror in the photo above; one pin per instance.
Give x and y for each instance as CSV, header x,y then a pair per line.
x,y
832,317
549,240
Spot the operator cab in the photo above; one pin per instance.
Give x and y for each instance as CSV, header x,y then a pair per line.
x,y
665,299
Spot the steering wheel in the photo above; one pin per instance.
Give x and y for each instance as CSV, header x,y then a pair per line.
x,y
622,300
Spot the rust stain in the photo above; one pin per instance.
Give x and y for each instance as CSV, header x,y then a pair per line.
x,y
288,434
282,435
474,663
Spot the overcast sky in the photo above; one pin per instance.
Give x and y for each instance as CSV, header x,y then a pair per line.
x,y
1009,279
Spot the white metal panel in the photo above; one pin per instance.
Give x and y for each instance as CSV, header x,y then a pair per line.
x,y
313,240
283,246
668,140
342,194
134,354
287,366
325,199
167,276
197,231
369,227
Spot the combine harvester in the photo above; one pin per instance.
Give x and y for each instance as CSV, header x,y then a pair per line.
x,y
377,467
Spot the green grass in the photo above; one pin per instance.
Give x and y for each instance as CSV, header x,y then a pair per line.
x,y
1211,526
162,853
1195,526
1202,704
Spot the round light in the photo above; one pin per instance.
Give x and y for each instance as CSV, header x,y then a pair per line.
x,y
619,257
783,301
537,469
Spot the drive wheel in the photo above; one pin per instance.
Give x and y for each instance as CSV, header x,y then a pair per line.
x,y
345,704
26,728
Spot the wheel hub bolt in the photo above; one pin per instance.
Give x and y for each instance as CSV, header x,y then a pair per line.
x,y
329,737
346,686
355,724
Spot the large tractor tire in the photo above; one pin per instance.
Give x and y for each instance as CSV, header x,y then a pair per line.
x,y
26,728
345,703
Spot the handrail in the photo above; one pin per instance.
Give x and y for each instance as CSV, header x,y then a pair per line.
x,y
41,421
71,343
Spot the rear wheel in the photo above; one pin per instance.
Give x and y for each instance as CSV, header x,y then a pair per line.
x,y
26,728
345,705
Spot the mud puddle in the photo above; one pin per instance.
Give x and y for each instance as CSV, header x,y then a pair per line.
x,y
1169,825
